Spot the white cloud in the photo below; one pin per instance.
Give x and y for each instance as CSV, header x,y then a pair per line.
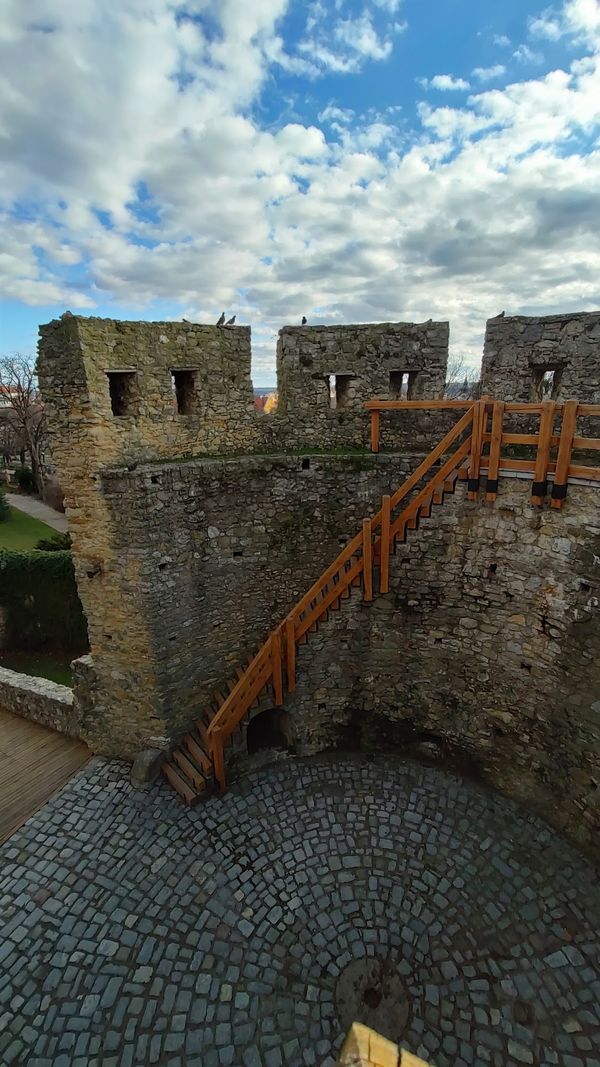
x,y
525,54
502,40
160,182
546,26
445,83
488,74
360,35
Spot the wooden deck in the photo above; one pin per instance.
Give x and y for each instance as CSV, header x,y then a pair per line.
x,y
34,763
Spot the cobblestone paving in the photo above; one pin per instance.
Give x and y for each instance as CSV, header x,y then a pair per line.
x,y
136,932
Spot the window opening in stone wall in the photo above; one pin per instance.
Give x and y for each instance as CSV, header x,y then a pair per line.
x,y
184,389
124,394
546,382
340,391
402,384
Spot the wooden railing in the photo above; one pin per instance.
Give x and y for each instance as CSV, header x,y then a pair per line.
x,y
490,437
474,446
275,662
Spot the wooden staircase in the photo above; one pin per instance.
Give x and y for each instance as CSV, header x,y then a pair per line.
x,y
197,766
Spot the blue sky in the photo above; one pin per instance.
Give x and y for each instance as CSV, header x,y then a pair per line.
x,y
351,160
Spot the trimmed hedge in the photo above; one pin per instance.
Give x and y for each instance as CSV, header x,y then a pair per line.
x,y
38,596
4,508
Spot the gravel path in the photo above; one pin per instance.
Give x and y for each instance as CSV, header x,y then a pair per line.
x,y
38,510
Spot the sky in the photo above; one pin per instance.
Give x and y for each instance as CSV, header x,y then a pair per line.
x,y
347,160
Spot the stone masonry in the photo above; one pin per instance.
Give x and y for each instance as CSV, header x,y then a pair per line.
x,y
111,397
521,351
40,700
222,549
486,646
326,373
125,393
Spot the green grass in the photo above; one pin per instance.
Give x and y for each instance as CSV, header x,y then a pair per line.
x,y
52,665
21,533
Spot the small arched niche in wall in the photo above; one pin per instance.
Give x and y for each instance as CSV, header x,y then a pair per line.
x,y
273,728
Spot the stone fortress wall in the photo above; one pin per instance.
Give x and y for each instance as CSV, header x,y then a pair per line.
x,y
521,351
183,564
326,373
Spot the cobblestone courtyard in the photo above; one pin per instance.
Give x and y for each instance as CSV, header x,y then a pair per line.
x,y
251,930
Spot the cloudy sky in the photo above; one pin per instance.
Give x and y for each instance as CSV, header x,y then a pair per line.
x,y
351,160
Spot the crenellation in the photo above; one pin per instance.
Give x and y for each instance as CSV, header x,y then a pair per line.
x,y
326,373
520,350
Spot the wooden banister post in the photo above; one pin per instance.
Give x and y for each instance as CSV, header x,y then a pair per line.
x,y
495,450
367,552
375,415
218,759
290,653
276,666
542,459
476,446
563,461
384,563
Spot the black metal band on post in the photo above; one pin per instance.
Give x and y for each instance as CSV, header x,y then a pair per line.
x,y
539,488
559,492
491,486
473,485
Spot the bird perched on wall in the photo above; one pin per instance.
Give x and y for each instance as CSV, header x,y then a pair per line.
x,y
304,320
132,466
187,322
231,321
221,321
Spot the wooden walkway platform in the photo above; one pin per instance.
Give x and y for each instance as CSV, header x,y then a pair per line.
x,y
34,763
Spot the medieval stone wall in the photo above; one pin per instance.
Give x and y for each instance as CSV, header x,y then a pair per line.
x,y
88,367
487,642
223,549
519,351
326,373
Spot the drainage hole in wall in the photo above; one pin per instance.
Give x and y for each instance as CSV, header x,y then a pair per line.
x,y
585,587
238,552
154,479
526,667
306,464
161,566
493,567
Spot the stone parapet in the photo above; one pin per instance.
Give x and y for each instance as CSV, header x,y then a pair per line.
x,y
531,358
39,700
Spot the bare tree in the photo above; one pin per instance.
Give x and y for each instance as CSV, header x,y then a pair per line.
x,y
459,384
19,390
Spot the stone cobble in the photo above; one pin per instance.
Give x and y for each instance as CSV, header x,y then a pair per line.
x,y
135,931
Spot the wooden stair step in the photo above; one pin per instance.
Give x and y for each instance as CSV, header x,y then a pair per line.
x,y
185,764
198,754
179,783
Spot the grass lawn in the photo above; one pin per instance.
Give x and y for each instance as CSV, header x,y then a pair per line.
x,y
52,665
21,532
